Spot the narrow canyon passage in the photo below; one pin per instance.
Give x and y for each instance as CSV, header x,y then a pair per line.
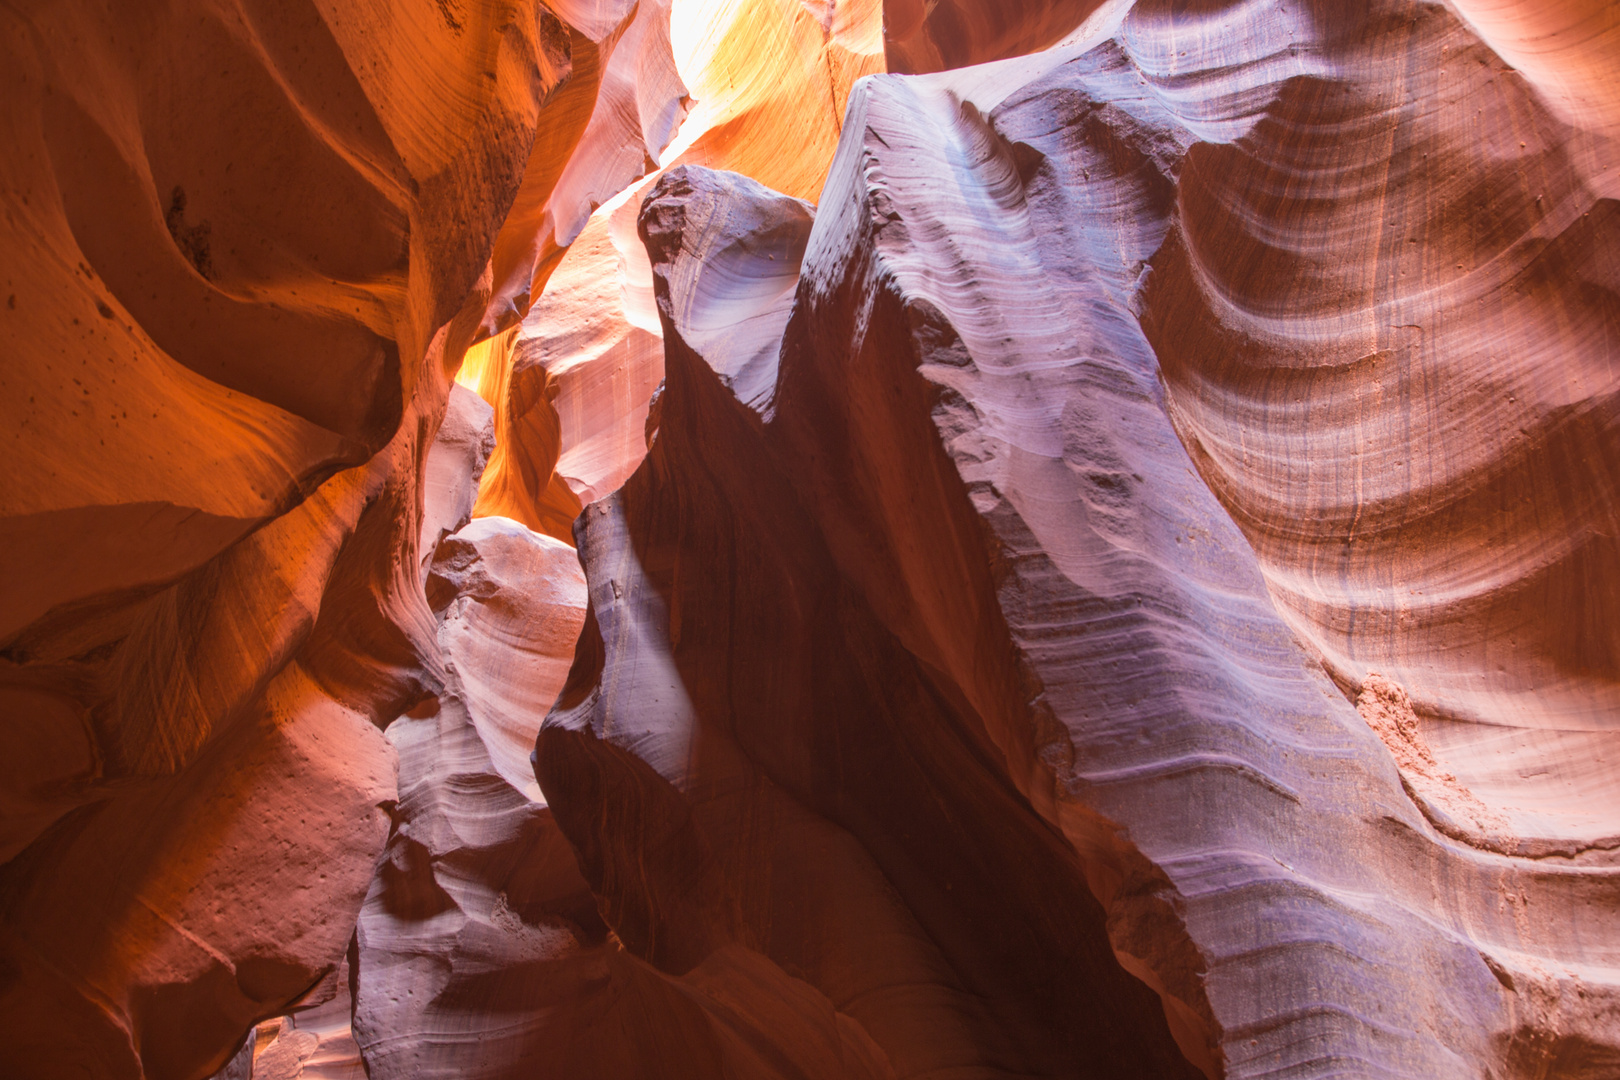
x,y
798,539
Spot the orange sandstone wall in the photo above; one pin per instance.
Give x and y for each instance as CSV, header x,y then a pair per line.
x,y
1095,552
239,236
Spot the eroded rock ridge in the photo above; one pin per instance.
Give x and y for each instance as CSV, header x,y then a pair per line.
x,y
592,540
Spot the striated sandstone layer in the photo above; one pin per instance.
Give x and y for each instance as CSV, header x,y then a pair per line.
x,y
1386,314
750,760
480,950
471,918
1125,587
248,245
1084,380
572,384
938,35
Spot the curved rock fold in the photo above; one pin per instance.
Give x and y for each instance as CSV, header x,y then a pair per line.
x,y
594,539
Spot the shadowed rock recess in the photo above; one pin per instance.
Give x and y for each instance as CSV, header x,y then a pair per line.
x,y
800,539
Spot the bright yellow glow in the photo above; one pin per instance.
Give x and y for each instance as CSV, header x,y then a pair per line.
x,y
480,368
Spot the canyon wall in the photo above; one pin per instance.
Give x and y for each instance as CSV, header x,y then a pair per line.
x,y
563,539
249,244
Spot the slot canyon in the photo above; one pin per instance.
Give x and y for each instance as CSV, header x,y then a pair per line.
x,y
810,540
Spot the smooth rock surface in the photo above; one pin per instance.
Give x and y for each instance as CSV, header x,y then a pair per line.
x,y
1401,382
1002,390
1123,587
480,951
749,759
573,383
477,902
157,927
248,245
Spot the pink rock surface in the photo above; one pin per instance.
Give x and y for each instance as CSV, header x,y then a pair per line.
x,y
572,384
1010,288
477,898
749,758
480,951
1053,367
1124,587
920,36
1408,416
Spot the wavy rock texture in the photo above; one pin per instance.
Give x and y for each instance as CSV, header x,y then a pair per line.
x,y
1125,588
476,904
1094,360
177,917
1570,52
240,236
695,758
616,114
480,951
923,36
460,453
572,385
590,338
1400,380
316,1043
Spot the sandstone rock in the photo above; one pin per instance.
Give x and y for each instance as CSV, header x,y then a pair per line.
x,y
1018,404
241,235
1373,404
726,254
516,601
584,337
456,461
614,116
317,1043
240,1067
478,898
986,309
158,926
1570,52
571,386
1124,588
324,1031
480,952
749,759
920,36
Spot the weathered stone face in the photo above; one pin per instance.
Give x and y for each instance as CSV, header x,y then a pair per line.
x,y
591,540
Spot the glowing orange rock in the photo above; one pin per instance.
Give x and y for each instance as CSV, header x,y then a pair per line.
x,y
1125,586
572,387
242,235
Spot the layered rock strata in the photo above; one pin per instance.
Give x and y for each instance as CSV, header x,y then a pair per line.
x,y
1062,338
249,244
572,383
480,950
939,35
1388,344
1124,589
477,904
748,761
